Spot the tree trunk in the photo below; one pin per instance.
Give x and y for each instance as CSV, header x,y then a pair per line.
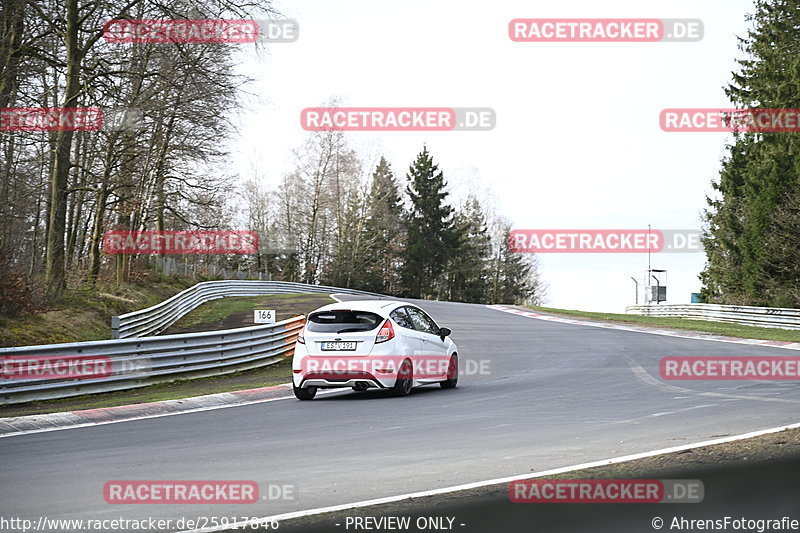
x,y
55,277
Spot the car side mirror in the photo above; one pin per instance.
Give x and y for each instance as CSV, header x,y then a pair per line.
x,y
444,332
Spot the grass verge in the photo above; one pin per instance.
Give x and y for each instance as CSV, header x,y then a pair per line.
x,y
226,313
703,326
84,313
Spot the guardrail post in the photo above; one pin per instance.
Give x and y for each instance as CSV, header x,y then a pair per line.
x,y
115,327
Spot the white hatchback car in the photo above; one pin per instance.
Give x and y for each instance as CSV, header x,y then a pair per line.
x,y
365,344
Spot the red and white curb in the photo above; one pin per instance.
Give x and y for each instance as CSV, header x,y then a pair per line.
x,y
23,425
646,329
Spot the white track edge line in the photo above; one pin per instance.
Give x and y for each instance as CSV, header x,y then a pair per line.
x,y
624,327
485,483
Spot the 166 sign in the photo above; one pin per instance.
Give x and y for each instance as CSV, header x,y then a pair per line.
x,y
264,316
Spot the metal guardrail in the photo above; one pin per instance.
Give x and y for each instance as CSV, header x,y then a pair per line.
x,y
137,358
767,317
159,317
29,372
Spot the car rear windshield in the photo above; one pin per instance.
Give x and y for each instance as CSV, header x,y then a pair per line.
x,y
342,321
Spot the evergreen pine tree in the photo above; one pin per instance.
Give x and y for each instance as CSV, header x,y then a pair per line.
x,y
468,269
751,236
430,230
514,277
384,232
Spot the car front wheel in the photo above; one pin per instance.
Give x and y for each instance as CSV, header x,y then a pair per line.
x,y
452,374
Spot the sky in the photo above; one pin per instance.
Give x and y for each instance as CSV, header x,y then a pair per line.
x,y
577,143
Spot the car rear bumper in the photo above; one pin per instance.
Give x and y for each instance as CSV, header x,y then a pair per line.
x,y
347,383
344,380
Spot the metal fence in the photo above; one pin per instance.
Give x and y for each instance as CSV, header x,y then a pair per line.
x,y
159,317
193,266
62,370
768,317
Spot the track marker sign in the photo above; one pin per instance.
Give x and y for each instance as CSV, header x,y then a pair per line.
x,y
264,316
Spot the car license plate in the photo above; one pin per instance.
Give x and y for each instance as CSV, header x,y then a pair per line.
x,y
339,346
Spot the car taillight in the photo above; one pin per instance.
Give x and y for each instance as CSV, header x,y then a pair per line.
x,y
301,338
386,332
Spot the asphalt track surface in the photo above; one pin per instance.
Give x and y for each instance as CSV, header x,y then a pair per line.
x,y
555,395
